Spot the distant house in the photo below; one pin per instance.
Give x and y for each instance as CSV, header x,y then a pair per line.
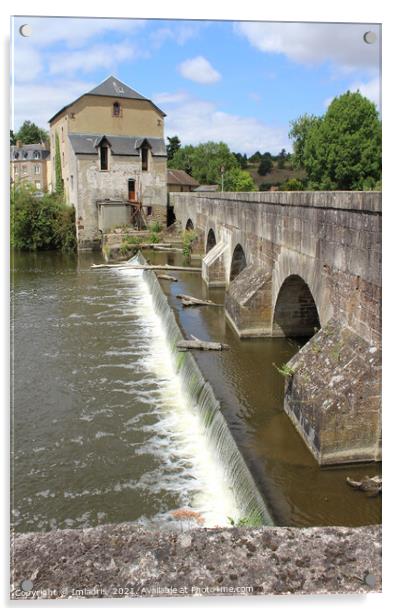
x,y
113,159
31,164
180,181
207,188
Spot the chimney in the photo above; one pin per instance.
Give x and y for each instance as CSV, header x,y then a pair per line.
x,y
19,143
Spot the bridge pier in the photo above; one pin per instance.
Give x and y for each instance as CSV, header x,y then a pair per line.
x,y
299,264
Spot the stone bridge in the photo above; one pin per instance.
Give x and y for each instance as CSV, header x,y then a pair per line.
x,y
304,265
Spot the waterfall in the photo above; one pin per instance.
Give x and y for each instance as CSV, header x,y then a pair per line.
x,y
200,393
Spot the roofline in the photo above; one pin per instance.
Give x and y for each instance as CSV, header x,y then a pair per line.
x,y
148,100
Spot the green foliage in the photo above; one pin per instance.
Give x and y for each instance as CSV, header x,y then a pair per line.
x,y
267,186
241,159
249,521
31,133
237,180
265,165
173,146
154,238
292,184
342,149
155,227
59,183
204,161
284,370
255,158
131,239
124,248
188,237
13,139
41,223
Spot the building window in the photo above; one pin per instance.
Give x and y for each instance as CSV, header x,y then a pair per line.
x,y
16,170
16,154
24,169
71,182
36,154
62,133
117,110
37,169
38,185
144,158
104,158
149,210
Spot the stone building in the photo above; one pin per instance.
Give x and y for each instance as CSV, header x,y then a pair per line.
x,y
31,164
113,159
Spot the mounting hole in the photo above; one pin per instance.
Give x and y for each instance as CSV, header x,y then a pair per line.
x,y
370,37
370,580
25,30
27,585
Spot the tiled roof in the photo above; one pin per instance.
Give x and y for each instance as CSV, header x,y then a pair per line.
x,y
31,151
178,176
120,146
111,87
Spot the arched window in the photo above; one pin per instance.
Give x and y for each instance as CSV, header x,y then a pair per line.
x,y
116,109
144,158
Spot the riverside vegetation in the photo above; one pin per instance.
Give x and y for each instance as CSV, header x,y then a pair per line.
x,y
41,223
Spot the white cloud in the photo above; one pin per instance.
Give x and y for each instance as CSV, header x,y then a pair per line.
x,y
104,56
170,97
370,89
196,121
179,33
200,70
311,43
27,63
39,103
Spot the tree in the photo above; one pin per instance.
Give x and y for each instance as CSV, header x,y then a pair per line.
x,y
173,146
255,158
242,160
204,161
31,133
298,133
341,150
59,183
237,180
12,138
281,158
292,184
265,165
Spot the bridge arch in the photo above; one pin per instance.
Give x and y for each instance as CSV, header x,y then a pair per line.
x,y
211,240
295,314
189,225
238,262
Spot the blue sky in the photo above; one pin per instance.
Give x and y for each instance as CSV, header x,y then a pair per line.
x,y
239,82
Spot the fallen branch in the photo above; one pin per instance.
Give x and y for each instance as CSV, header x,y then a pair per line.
x,y
166,277
201,345
187,300
126,265
166,248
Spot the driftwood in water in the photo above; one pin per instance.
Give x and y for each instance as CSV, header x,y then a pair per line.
x,y
127,265
367,484
166,248
187,300
166,277
201,345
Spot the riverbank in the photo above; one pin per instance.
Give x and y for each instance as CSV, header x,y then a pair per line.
x,y
127,560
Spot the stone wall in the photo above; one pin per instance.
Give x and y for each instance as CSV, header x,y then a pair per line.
x,y
122,561
313,262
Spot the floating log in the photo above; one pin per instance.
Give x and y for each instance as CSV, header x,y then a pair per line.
x,y
367,484
126,265
201,345
187,300
166,277
166,249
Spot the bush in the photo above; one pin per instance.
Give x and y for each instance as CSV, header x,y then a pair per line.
x,y
154,238
41,223
155,227
292,184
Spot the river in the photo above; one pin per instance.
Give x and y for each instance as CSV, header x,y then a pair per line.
x,y
104,429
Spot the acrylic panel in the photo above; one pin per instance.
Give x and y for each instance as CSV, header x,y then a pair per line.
x,y
196,308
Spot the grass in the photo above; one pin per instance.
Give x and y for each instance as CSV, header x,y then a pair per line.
x,y
284,370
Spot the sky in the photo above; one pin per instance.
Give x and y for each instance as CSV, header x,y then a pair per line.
x,y
237,82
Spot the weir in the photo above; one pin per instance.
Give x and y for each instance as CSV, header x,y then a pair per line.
x,y
201,394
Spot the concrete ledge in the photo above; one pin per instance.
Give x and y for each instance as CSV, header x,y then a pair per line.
x,y
334,199
127,560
